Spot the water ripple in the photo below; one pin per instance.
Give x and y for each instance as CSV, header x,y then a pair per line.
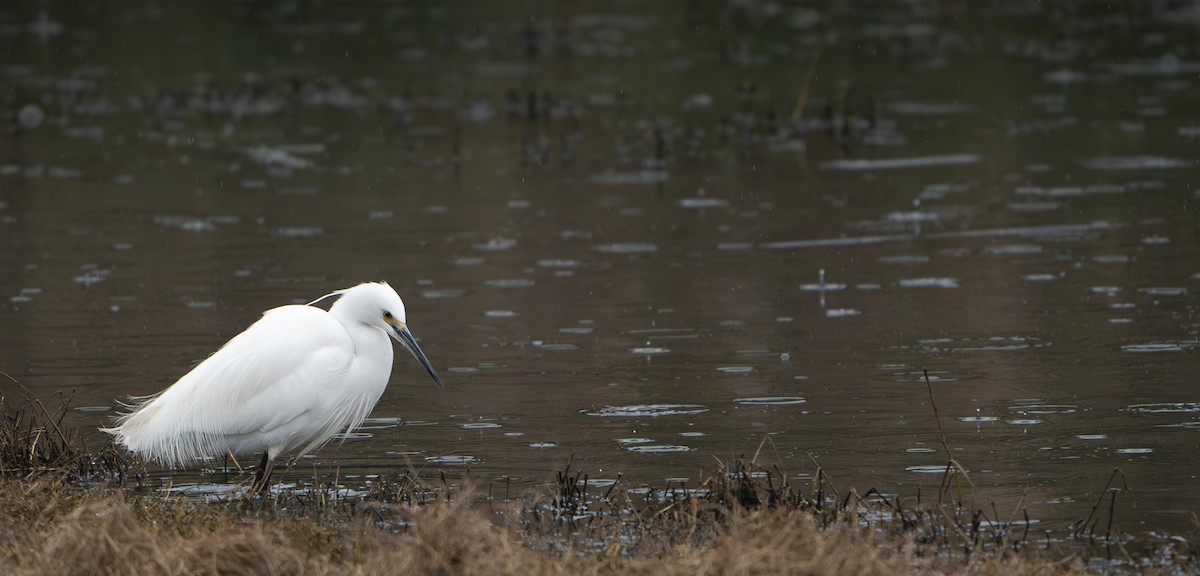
x,y
510,283
650,410
442,294
771,401
1156,347
867,164
650,351
1164,408
634,441
480,425
1045,409
631,178
928,283
702,202
1135,163
928,469
658,449
626,248
451,459
842,312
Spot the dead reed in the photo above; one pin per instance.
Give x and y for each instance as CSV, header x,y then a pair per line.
x,y
34,443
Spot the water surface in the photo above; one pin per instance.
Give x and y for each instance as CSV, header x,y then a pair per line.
x,y
621,242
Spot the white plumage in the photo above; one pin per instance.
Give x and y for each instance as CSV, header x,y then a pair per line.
x,y
292,380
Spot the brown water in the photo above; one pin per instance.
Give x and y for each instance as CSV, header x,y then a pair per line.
x,y
617,243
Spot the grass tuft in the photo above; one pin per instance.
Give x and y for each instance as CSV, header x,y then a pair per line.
x,y
34,443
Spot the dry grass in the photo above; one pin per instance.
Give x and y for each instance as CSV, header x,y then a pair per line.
x,y
744,519
48,529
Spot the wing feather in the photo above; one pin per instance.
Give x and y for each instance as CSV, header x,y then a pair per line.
x,y
289,363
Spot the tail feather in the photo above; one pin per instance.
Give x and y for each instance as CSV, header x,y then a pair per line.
x,y
163,440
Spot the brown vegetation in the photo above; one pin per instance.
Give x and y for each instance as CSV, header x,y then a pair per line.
x,y
745,519
34,442
49,529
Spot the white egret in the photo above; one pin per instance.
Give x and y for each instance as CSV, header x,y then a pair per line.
x,y
293,379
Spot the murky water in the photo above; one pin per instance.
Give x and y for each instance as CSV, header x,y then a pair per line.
x,y
621,243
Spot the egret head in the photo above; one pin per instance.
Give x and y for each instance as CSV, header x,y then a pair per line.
x,y
377,304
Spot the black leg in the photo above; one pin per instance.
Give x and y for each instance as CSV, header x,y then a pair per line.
x,y
263,476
